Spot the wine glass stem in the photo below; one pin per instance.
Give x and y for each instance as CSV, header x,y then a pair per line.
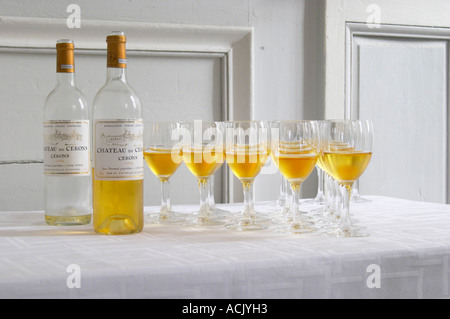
x,y
282,188
355,189
296,216
204,205
211,200
345,222
337,198
249,211
330,194
320,182
165,196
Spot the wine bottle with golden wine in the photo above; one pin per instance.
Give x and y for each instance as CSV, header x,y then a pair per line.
x,y
118,165
67,172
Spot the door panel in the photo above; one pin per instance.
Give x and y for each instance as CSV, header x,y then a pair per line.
x,y
402,87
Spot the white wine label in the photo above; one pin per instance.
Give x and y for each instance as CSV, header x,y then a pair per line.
x,y
66,147
119,149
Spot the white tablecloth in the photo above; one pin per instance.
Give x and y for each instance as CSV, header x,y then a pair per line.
x,y
409,242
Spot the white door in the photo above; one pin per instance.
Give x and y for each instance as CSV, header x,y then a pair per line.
x,y
391,66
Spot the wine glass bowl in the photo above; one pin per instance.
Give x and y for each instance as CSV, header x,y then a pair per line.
x,y
246,163
202,161
163,162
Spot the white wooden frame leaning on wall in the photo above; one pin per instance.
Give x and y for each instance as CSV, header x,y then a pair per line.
x,y
234,45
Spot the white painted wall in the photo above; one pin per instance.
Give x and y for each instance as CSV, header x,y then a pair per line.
x,y
287,73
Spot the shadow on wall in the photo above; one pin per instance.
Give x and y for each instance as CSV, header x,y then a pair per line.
x,y
314,73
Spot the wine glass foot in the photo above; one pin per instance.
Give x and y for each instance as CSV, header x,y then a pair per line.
x,y
165,218
280,220
247,225
195,221
299,228
349,232
315,201
359,199
220,213
281,202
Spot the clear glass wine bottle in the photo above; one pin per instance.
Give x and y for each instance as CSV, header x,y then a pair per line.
x,y
118,170
66,133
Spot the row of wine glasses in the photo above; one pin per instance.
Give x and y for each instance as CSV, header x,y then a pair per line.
x,y
341,149
344,151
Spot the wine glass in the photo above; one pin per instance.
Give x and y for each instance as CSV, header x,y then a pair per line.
x,y
346,151
215,211
163,157
281,214
203,155
296,153
247,147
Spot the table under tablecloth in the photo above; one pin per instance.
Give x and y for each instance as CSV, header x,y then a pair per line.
x,y
408,249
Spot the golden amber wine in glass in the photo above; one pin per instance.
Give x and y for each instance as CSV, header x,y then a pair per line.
x,y
202,162
296,167
162,162
346,167
246,164
321,164
124,196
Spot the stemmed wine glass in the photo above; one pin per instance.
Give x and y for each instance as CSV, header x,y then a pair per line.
x,y
215,211
247,147
320,198
296,153
163,157
283,202
203,155
346,151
